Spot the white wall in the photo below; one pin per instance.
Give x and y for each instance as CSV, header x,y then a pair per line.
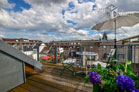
x,y
28,52
41,47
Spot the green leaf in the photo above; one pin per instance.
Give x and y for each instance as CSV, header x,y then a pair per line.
x,y
129,70
127,63
99,66
95,70
114,85
121,67
115,68
137,83
107,82
114,60
86,78
96,88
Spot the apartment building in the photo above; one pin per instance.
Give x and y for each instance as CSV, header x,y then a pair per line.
x,y
22,43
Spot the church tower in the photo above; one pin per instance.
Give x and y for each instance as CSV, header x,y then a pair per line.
x,y
105,36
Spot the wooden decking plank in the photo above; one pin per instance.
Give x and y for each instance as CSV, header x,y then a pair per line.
x,y
43,86
44,82
60,84
19,89
81,83
31,88
11,91
51,70
50,81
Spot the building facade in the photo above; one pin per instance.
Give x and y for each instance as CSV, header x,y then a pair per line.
x,y
22,43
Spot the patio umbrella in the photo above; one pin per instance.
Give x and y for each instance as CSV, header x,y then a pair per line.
x,y
45,57
118,22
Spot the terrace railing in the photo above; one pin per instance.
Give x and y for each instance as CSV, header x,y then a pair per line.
x,y
123,53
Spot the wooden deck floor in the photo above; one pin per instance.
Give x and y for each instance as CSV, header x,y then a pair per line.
x,y
50,80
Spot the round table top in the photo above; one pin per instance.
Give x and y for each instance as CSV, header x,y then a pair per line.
x,y
87,53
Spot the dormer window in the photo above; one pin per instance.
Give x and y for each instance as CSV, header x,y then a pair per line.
x,y
26,40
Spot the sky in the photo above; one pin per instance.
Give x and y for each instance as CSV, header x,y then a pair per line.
x,y
49,20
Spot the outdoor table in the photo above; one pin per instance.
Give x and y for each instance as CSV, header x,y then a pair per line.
x,y
87,54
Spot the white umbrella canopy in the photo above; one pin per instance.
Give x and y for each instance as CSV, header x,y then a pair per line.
x,y
118,22
127,20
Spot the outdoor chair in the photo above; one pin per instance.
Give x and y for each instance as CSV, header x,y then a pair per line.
x,y
111,55
68,65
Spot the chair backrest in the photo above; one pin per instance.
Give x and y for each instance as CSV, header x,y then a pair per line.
x,y
111,54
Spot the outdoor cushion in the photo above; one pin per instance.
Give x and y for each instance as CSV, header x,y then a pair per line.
x,y
99,62
69,60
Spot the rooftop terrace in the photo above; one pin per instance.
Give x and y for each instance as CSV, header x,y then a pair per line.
x,y
50,80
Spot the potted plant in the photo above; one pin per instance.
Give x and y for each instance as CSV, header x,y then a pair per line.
x,y
116,77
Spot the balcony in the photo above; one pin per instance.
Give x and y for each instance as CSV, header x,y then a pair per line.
x,y
50,80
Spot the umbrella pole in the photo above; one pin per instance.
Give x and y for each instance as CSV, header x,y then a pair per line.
x,y
115,41
115,35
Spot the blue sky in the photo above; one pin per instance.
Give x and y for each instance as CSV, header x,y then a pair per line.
x,y
49,20
19,5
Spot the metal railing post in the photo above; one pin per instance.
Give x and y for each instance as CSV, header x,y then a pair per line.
x,y
56,54
130,52
81,57
38,53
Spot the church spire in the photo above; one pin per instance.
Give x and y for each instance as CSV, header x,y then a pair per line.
x,y
104,36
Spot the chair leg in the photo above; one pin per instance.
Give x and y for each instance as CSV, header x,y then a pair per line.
x,y
73,71
67,67
62,71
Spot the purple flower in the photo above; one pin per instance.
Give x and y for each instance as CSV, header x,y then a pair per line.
x,y
94,77
135,90
125,83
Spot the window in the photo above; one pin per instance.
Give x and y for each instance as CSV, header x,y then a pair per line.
x,y
104,46
91,47
26,40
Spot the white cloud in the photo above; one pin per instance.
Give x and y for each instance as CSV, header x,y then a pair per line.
x,y
97,36
45,16
5,4
45,3
1,36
